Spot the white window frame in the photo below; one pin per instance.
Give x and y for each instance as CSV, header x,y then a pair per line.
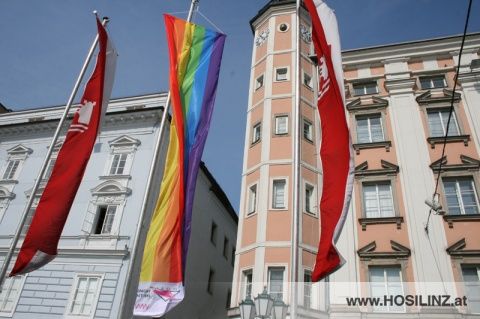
x,y
310,124
257,133
308,84
369,117
5,198
478,282
313,199
10,172
281,116
386,286
252,205
376,183
8,285
259,82
459,195
430,79
270,267
121,145
17,153
307,285
364,84
107,219
272,195
442,123
276,74
245,273
73,291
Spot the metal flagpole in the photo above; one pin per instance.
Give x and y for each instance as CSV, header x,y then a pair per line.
x,y
296,169
128,285
16,238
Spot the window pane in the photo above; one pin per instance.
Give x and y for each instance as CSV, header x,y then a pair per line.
x,y
461,196
279,194
363,135
435,124
275,284
307,131
282,74
453,128
370,200
385,199
252,201
116,159
109,217
376,129
281,125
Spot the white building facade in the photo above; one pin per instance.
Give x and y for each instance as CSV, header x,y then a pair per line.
x,y
87,278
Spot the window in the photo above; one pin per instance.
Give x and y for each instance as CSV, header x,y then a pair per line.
x,y
247,283
211,276
3,204
49,170
307,289
281,124
308,130
232,261
369,129
257,133
275,282
307,80
252,199
118,164
365,88
309,199
378,200
225,248
278,198
281,74
213,234
386,281
10,294
259,82
11,169
461,196
432,82
84,299
437,122
471,278
105,217
229,296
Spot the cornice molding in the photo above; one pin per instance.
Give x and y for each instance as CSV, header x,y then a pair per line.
x,y
428,98
457,250
388,169
367,104
467,163
399,251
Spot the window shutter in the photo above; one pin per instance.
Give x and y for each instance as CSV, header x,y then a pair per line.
x,y
89,219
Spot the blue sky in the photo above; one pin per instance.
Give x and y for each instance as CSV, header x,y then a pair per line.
x,y
43,45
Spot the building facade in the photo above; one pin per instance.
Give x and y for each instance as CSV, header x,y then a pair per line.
x,y
397,103
87,278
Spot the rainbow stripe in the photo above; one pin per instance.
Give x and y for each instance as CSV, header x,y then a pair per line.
x,y
195,57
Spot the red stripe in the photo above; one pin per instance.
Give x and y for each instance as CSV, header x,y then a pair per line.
x,y
334,153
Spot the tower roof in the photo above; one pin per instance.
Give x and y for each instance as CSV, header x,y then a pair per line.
x,y
271,3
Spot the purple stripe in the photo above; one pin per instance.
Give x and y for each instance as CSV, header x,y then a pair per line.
x,y
197,148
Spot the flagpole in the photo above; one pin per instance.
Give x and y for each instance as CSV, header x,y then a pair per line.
x,y
128,285
36,185
296,169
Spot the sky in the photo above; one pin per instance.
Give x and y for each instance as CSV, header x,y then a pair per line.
x,y
44,43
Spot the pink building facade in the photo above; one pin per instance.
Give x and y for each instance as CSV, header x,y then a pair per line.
x,y
398,97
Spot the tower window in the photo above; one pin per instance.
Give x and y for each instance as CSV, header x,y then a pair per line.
x,y
259,82
257,133
281,74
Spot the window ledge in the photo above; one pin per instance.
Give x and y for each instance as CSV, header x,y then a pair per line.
x,y
8,181
381,220
361,146
450,219
255,143
115,177
450,139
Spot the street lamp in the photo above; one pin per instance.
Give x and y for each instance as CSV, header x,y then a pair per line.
x,y
264,304
279,309
264,307
247,308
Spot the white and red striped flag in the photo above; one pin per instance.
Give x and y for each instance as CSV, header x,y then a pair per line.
x,y
40,244
336,149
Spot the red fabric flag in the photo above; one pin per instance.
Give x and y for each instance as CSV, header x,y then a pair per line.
x,y
336,149
40,244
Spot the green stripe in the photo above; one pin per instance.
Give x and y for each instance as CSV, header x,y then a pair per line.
x,y
186,88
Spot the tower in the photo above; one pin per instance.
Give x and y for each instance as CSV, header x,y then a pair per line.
x,y
270,225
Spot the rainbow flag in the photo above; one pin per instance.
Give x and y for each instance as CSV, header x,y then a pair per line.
x,y
195,56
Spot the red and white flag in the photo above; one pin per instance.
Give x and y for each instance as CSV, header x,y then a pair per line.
x,y
40,244
336,149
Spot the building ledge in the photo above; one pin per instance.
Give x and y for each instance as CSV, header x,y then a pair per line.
x,y
450,219
381,220
450,139
361,146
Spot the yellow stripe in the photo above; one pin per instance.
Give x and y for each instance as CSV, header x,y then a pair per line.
x,y
184,51
168,197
